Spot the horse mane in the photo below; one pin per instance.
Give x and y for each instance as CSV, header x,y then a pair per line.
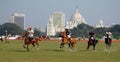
x,y
63,34
25,33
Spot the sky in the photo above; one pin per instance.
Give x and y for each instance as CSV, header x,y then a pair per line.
x,y
37,11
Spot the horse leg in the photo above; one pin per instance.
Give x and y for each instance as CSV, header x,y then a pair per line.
x,y
24,46
37,45
61,45
6,41
88,46
94,44
28,48
94,47
33,44
108,46
69,45
72,46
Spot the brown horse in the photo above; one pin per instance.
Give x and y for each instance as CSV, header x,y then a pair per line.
x,y
27,41
65,40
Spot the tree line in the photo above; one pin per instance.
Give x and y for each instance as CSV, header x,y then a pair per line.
x,y
13,29
81,30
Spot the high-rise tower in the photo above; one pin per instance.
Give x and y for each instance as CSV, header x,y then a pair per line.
x,y
18,19
57,19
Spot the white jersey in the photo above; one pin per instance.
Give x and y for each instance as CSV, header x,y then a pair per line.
x,y
109,34
69,35
30,33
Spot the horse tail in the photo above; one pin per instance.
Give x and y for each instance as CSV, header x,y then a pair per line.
x,y
96,41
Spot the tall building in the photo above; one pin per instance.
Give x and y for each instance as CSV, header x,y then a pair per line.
x,y
50,28
75,20
18,19
56,23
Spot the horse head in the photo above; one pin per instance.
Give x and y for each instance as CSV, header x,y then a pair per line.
x,y
25,33
63,34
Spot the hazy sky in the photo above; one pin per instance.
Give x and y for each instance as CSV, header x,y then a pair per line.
x,y
37,11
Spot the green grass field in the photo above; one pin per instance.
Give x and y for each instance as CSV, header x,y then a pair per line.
x,y
50,52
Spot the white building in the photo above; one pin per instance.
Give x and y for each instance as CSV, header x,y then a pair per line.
x,y
18,19
100,24
75,20
50,28
56,23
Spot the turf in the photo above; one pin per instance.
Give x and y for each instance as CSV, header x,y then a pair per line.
x,y
49,52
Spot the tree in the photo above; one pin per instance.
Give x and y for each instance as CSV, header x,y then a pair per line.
x,y
38,32
115,30
11,28
81,30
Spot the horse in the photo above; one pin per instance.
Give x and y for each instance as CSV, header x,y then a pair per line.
x,y
65,40
108,41
92,41
5,38
27,41
1,39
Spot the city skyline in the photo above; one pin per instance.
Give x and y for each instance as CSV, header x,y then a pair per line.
x,y
37,11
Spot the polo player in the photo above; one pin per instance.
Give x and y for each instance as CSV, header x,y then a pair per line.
x,y
68,34
30,34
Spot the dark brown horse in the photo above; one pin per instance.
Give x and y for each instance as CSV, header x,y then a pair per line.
x,y
108,41
1,39
27,41
5,38
65,40
92,42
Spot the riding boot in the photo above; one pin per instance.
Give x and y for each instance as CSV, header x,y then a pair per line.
x,y
32,40
69,40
